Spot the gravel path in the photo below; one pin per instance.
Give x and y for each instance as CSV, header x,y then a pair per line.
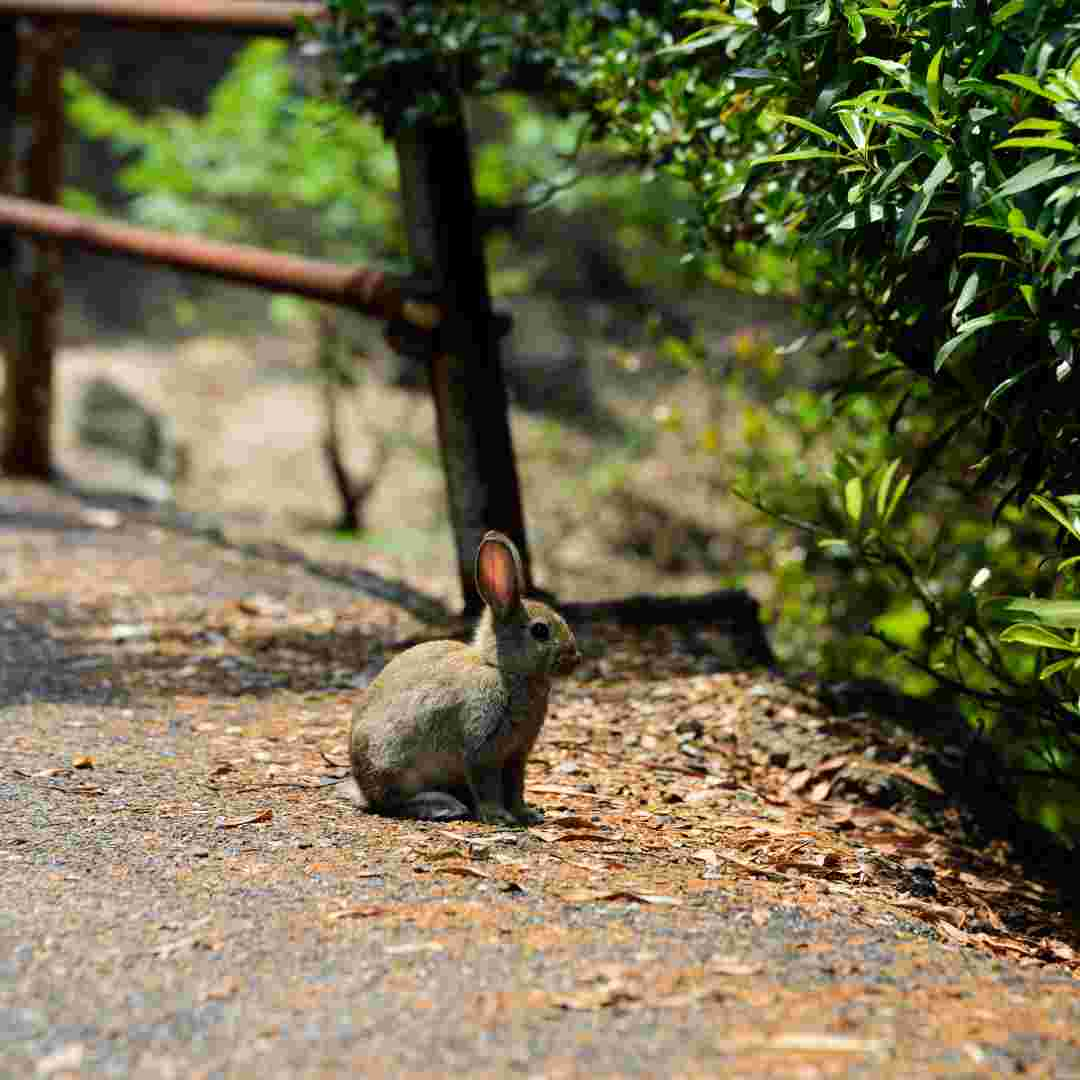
x,y
182,894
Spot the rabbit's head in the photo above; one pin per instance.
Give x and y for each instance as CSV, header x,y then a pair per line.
x,y
515,634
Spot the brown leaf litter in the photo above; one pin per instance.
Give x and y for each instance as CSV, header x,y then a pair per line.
x,y
668,793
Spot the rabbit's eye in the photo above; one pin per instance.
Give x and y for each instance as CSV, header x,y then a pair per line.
x,y
540,630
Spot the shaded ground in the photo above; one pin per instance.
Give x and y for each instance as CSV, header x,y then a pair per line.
x,y
719,888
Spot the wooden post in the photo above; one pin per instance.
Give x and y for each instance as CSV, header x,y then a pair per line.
x,y
467,382
9,97
35,285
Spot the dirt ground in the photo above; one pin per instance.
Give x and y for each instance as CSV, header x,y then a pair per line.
x,y
734,878
602,522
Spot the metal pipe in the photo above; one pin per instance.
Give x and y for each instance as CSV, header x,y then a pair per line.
x,y
243,16
367,291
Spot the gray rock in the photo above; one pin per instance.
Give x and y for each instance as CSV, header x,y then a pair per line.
x,y
113,419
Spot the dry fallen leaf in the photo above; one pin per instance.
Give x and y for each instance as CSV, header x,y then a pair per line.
x,y
555,789
825,1042
831,764
366,912
586,896
732,965
223,991
910,775
572,821
252,819
261,604
798,780
460,869
83,762
554,836
598,998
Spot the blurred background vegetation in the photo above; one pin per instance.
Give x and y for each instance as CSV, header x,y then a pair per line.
x,y
813,263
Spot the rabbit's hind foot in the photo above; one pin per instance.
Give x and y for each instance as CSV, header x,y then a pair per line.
x,y
431,806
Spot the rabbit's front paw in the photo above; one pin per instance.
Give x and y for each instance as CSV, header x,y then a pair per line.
x,y
493,814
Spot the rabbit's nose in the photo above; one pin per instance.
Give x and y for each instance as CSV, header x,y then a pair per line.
x,y
568,660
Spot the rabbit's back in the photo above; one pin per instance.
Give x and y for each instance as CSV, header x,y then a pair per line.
x,y
436,679
411,727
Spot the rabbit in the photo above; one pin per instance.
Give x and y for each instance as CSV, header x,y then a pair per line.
x,y
445,730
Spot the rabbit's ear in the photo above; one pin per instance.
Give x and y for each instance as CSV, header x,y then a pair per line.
x,y
499,576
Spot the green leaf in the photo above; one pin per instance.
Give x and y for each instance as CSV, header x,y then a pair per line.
x,y
965,331
1026,82
1061,613
756,75
1038,172
933,83
1036,238
914,210
889,67
1069,522
882,495
1035,143
1059,665
853,499
989,256
1007,384
855,22
1006,11
1029,634
836,544
853,127
897,495
894,114
798,155
967,294
806,125
894,174
1035,123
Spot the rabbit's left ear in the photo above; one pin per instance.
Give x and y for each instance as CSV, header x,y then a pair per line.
x,y
499,576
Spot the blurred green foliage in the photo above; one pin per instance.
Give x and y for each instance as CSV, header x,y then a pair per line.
x,y
267,163
264,163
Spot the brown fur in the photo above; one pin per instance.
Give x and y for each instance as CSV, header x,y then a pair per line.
x,y
446,729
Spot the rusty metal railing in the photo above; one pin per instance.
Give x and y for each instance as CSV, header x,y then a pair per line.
x,y
34,294
363,290
264,17
452,304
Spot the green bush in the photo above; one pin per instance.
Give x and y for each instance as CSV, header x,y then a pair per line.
x,y
928,154
931,155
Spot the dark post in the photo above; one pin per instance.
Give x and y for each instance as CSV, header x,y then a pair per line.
x,y
35,268
466,370
9,96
